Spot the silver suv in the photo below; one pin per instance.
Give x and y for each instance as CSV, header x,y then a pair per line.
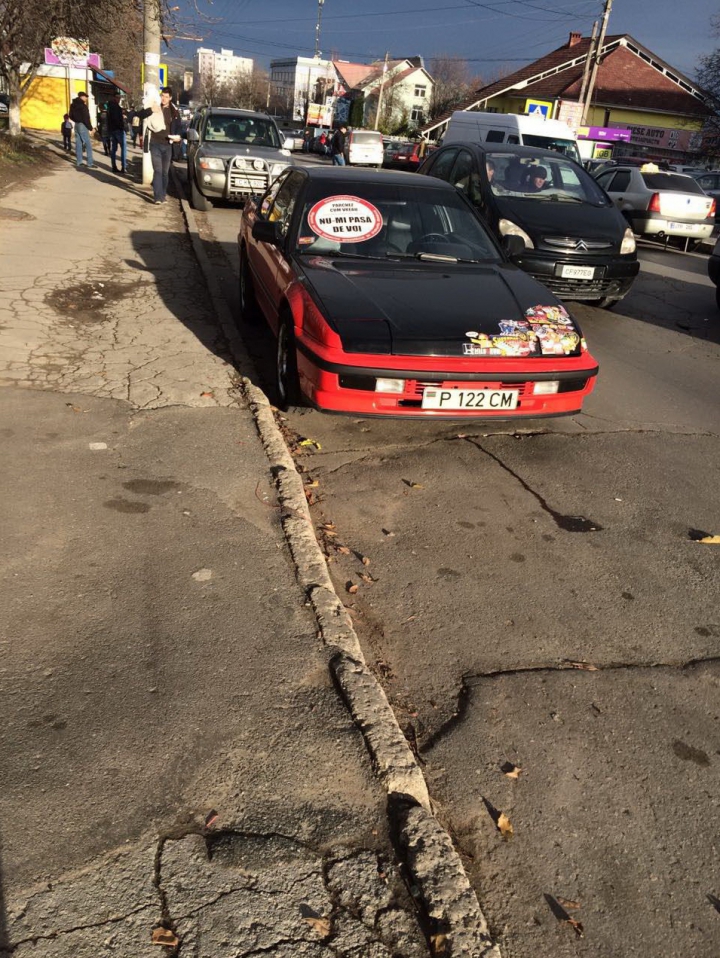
x,y
232,154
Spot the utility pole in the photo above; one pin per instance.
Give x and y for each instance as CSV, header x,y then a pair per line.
x,y
382,87
151,61
321,4
596,61
586,70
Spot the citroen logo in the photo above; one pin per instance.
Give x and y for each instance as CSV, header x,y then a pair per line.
x,y
580,245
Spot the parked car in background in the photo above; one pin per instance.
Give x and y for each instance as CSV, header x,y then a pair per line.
x,y
364,148
576,242
4,103
388,296
714,271
709,182
232,154
293,140
408,156
660,203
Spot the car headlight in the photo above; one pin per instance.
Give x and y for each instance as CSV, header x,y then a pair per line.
x,y
285,152
628,244
211,163
508,228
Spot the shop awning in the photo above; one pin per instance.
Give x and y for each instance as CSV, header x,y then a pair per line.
x,y
111,80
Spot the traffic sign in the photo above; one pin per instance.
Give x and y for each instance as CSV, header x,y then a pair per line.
x,y
541,108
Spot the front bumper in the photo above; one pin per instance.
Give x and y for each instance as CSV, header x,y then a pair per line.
x,y
349,386
612,278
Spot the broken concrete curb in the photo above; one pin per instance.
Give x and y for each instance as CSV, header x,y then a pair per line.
x,y
436,868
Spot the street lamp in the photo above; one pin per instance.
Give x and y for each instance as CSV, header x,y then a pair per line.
x,y
321,4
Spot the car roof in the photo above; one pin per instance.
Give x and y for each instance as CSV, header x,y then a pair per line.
x,y
528,151
346,175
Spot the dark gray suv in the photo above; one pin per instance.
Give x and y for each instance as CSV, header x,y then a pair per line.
x,y
232,154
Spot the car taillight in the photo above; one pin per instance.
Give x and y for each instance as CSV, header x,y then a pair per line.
x,y
713,208
654,205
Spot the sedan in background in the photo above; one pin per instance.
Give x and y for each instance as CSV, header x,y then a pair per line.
x,y
575,241
709,182
659,203
388,296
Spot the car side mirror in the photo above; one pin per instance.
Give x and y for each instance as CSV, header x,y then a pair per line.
x,y
192,136
267,232
513,244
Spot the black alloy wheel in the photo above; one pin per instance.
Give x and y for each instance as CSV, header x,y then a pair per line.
x,y
287,382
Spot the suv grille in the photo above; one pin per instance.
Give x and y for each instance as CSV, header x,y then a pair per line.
x,y
244,179
576,243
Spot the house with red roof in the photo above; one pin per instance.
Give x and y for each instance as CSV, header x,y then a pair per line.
x,y
635,90
406,90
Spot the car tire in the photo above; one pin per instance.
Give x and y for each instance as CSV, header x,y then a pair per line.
x,y
249,311
287,382
197,200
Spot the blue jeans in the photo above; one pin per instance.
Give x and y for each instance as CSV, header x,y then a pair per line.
x,y
118,140
338,159
82,138
161,156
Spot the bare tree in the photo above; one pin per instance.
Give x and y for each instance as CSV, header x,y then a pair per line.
x,y
708,76
452,84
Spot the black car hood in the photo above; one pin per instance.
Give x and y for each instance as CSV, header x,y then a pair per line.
x,y
419,309
549,218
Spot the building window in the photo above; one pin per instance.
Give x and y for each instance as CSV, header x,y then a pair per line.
x,y
417,115
420,91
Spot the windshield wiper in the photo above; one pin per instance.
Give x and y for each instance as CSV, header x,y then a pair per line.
x,y
337,254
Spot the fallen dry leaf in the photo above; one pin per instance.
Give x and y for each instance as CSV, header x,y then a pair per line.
x,y
567,903
504,826
583,665
210,819
328,525
342,549
320,925
352,588
207,395
710,540
365,560
312,485
366,578
576,927
510,770
310,443
163,936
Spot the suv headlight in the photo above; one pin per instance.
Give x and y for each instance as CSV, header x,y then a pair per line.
x,y
628,244
211,163
508,228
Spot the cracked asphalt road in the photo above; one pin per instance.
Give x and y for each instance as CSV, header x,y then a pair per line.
x,y
537,597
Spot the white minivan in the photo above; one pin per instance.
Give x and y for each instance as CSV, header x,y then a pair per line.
x,y
468,126
364,148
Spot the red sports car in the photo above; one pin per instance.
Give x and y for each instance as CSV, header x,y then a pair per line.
x,y
388,296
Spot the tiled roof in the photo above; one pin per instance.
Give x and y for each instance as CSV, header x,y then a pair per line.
x,y
564,68
352,74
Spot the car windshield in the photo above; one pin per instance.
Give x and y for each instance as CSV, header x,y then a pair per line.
x,y
671,182
382,221
241,129
543,178
567,147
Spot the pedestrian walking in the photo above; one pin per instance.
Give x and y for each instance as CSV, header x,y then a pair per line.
x,y
80,115
104,130
163,121
322,142
337,146
66,128
135,126
116,123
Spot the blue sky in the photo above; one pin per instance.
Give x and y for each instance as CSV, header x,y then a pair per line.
x,y
491,34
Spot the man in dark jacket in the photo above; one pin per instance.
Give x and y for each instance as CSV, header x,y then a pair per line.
x,y
80,115
337,146
116,124
161,141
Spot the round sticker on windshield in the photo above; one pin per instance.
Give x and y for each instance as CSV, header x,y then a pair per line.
x,y
345,219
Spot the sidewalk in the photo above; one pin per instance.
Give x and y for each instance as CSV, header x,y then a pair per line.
x,y
174,752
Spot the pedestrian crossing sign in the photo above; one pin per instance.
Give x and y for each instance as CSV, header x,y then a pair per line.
x,y
543,108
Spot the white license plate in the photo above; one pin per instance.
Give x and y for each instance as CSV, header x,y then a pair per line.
x,y
577,272
470,398
684,227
